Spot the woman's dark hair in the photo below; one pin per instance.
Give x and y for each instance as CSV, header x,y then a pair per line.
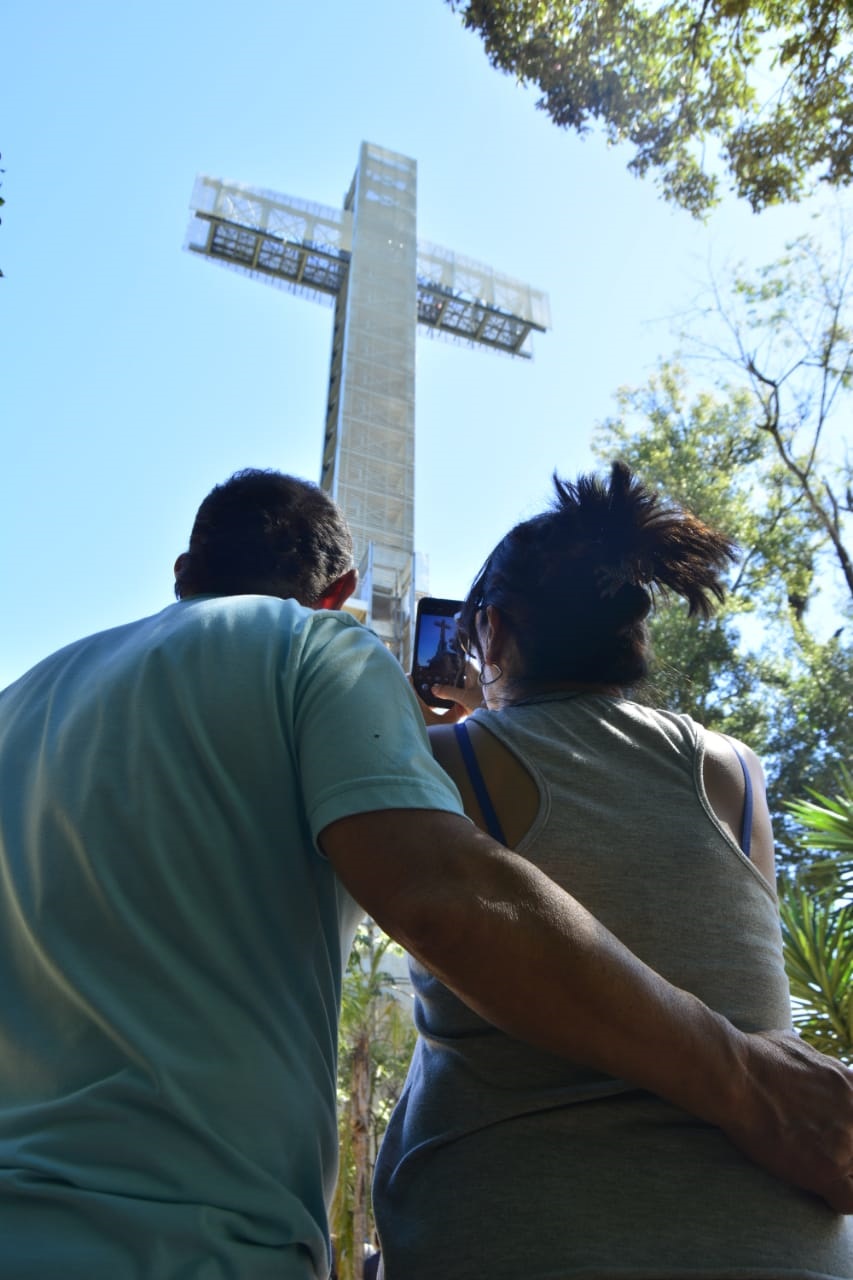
x,y
575,583
261,532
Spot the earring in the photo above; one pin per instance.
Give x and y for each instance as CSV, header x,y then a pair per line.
x,y
483,683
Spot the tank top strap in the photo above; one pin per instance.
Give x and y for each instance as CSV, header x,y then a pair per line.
x,y
478,782
746,824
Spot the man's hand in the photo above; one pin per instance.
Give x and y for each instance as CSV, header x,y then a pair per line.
x,y
796,1116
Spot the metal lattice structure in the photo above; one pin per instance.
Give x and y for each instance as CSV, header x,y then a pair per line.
x,y
365,260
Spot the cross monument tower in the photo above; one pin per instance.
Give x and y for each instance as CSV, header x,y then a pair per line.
x,y
366,259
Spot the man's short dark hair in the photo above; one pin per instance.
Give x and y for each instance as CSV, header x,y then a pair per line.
x,y
264,533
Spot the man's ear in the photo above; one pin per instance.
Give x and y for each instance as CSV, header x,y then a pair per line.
x,y
338,592
179,564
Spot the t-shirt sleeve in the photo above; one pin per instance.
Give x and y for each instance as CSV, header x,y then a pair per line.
x,y
360,738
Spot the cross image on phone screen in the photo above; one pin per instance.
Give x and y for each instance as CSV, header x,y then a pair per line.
x,y
438,658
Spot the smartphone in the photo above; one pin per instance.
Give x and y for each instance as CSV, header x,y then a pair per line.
x,y
438,658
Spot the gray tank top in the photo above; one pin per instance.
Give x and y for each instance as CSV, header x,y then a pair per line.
x,y
504,1161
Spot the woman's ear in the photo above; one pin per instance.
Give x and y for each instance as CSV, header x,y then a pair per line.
x,y
493,635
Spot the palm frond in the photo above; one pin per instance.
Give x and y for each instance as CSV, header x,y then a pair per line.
x,y
828,819
817,936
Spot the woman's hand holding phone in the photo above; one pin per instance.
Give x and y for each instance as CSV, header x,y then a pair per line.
x,y
442,676
464,700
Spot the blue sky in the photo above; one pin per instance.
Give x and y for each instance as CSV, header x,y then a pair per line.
x,y
135,376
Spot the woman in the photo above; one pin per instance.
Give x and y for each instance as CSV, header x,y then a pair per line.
x,y
500,1160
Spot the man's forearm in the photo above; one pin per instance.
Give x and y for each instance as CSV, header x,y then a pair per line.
x,y
534,962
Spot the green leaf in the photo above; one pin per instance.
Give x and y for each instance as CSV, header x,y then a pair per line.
x,y
753,86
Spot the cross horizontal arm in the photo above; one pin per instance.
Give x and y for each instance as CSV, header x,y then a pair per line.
x,y
278,239
307,248
465,299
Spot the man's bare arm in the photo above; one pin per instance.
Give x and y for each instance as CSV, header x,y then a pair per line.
x,y
530,959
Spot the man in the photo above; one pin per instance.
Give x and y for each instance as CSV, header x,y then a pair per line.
x,y
195,811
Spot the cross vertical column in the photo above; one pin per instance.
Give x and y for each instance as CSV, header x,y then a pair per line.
x,y
369,446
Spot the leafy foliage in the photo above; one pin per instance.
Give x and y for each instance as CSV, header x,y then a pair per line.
x,y
790,335
828,823
761,456
769,81
828,818
375,1042
817,926
753,671
817,935
812,733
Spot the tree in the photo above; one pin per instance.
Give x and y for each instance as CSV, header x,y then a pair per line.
x,y
817,926
754,670
375,1043
762,456
770,82
812,733
788,333
829,820
817,938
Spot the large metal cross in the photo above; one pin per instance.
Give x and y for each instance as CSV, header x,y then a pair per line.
x,y
366,258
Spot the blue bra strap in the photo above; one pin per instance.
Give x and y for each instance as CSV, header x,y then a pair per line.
x,y
746,825
478,782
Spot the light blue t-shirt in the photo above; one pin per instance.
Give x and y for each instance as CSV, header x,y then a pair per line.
x,y
172,942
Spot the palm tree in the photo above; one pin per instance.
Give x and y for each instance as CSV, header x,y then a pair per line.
x,y
817,924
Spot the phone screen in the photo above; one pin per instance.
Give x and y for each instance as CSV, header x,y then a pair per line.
x,y
438,658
